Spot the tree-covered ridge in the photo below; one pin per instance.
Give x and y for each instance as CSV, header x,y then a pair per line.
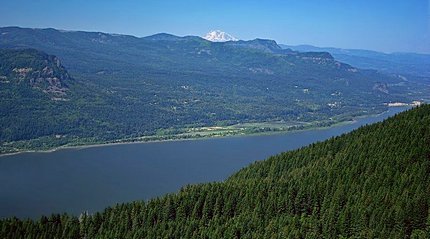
x,y
371,183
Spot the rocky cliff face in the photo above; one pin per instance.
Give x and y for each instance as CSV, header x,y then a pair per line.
x,y
35,69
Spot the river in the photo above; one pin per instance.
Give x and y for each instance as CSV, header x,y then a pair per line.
x,y
89,179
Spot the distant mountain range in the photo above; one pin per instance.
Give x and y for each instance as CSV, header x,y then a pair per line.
x,y
409,64
125,87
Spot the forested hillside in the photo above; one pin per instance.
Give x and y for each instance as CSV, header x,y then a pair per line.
x,y
127,88
34,91
371,183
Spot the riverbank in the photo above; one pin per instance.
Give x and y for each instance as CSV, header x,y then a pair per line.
x,y
238,130
180,137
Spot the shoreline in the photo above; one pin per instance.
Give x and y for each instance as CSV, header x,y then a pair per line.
x,y
84,146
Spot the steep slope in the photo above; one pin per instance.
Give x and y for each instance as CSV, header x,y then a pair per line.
x,y
42,106
371,183
36,69
34,90
129,88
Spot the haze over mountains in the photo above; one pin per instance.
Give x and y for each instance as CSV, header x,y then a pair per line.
x,y
409,64
163,85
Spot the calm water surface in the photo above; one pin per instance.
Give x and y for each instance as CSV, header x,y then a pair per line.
x,y
89,179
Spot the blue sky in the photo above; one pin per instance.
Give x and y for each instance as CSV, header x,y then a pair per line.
x,y
383,25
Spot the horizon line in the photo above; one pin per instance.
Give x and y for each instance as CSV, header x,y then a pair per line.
x,y
200,36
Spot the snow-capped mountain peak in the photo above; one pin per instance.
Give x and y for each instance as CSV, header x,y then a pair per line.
x,y
219,36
